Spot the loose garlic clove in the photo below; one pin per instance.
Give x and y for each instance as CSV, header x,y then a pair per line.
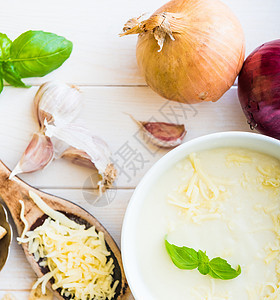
x,y
38,154
74,142
161,134
55,100
81,158
165,135
78,157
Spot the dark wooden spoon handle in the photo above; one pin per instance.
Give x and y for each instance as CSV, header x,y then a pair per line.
x,y
11,192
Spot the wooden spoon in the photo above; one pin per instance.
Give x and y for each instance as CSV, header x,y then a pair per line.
x,y
15,189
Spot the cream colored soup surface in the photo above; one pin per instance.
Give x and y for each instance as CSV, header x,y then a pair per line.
x,y
225,202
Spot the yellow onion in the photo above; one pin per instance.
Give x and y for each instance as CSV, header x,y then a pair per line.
x,y
189,50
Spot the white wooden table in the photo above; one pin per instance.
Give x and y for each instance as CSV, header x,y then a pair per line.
x,y
104,66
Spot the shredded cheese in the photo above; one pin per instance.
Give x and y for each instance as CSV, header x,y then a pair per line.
x,y
77,258
214,191
237,159
199,199
267,291
36,294
270,177
3,232
23,219
52,213
270,291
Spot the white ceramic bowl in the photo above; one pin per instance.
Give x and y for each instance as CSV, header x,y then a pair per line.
x,y
252,141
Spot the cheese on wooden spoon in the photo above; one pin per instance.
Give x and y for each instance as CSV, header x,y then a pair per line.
x,y
3,232
77,258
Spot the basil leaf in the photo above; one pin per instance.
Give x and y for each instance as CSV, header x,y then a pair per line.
x,y
183,257
220,268
11,75
203,262
5,45
188,259
37,53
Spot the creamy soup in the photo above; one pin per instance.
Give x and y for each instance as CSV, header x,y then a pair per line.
x,y
223,201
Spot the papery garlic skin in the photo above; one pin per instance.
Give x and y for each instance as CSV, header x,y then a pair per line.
x,y
55,100
38,154
81,157
75,142
78,137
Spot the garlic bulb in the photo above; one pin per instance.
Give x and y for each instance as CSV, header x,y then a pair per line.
x,y
55,100
75,142
37,155
57,106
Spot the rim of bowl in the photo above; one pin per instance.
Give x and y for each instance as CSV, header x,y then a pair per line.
x,y
205,142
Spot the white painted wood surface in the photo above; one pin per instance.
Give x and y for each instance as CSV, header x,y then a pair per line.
x,y
104,66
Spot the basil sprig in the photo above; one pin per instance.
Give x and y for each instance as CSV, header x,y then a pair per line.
x,y
32,54
189,259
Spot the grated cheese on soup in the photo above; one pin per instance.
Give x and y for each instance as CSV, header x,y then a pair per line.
x,y
201,197
224,201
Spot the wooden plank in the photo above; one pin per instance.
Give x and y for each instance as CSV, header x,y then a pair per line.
x,y
104,113
17,274
100,56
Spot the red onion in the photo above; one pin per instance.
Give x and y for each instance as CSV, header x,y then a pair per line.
x,y
259,89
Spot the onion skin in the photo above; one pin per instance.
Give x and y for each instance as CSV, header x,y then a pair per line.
x,y
259,89
203,60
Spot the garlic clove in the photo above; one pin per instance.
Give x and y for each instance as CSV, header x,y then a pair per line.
x,y
78,157
161,134
166,135
37,155
76,143
81,158
55,100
